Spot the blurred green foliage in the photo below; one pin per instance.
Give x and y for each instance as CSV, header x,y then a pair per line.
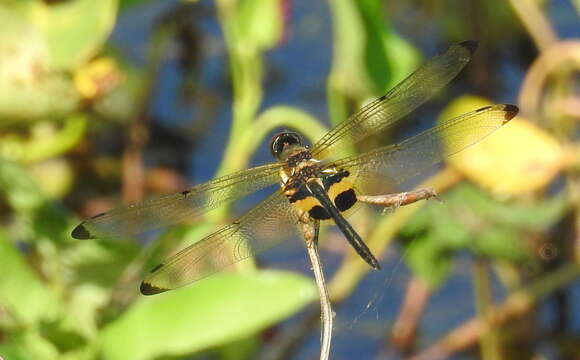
x,y
469,220
62,83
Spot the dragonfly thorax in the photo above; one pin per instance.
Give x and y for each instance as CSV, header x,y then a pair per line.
x,y
336,183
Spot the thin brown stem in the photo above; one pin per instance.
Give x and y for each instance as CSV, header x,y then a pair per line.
x,y
405,327
490,349
535,22
138,132
549,62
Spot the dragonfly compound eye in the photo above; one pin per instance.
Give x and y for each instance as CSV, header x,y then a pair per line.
x,y
283,141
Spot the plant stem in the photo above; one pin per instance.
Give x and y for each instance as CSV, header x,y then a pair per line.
x,y
325,306
516,304
489,341
535,22
404,330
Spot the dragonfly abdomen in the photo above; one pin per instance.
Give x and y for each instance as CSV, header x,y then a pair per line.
x,y
339,188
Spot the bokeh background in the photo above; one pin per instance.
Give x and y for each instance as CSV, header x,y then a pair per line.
x,y
112,101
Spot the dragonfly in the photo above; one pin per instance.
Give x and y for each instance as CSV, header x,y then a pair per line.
x,y
314,185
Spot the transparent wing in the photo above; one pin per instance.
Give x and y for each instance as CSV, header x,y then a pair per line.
x,y
172,209
400,162
399,101
267,224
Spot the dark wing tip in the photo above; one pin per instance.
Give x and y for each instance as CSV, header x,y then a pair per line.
x,y
80,232
470,45
510,111
148,289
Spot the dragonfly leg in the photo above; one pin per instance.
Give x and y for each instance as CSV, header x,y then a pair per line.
x,y
398,199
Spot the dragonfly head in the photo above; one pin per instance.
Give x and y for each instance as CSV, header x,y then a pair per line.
x,y
285,144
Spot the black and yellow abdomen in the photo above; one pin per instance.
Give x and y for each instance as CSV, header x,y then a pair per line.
x,y
339,188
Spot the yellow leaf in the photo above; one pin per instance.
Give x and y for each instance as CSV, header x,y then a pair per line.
x,y
518,158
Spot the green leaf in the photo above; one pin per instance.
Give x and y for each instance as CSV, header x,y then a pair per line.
x,y
84,308
99,262
218,310
27,344
375,54
429,259
537,215
22,293
29,86
469,219
47,142
240,350
501,243
577,5
22,195
260,22
127,4
388,57
75,30
38,218
369,57
349,75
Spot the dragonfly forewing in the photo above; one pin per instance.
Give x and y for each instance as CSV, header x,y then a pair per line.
x,y
402,161
171,209
269,223
409,94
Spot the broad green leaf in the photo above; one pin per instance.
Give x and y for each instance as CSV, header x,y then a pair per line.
x,y
22,294
215,311
75,30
